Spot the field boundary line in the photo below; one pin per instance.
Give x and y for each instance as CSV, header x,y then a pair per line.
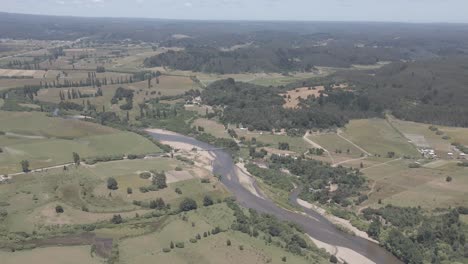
x,y
315,145
352,143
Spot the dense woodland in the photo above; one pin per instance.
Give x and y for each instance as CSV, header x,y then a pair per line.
x,y
430,91
267,58
417,238
259,107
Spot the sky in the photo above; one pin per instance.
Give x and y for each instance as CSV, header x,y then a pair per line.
x,y
450,11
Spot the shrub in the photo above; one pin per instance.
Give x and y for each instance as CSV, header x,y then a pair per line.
x,y
178,190
207,201
178,168
333,259
112,184
166,250
241,247
171,245
59,209
188,204
205,180
180,245
448,179
414,165
117,219
157,204
145,175
228,242
129,190
193,240
283,259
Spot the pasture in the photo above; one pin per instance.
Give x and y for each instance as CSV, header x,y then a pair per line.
x,y
31,198
210,249
397,184
46,141
212,127
441,146
293,97
52,255
378,137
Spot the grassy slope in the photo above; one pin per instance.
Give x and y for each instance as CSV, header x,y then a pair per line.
x,y
51,255
399,185
31,199
54,139
212,249
378,137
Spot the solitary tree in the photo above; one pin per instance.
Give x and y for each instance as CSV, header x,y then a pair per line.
x,y
76,158
59,209
25,165
159,179
207,201
117,219
112,184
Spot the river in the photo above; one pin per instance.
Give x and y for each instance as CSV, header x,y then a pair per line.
x,y
314,224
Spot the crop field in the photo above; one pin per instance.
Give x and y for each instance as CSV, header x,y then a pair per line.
x,y
210,249
378,137
397,184
52,255
47,141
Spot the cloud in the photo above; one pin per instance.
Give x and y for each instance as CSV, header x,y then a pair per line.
x,y
188,4
60,2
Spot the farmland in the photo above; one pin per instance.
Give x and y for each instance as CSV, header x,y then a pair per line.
x,y
28,134
294,111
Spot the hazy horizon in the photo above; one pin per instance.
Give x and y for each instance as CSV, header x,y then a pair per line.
x,y
411,11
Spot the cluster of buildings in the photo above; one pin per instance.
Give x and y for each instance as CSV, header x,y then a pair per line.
x,y
428,153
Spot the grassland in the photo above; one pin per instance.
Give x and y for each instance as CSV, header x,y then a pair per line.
x,y
52,255
167,86
212,249
47,141
296,144
378,137
434,141
212,127
397,184
31,199
334,144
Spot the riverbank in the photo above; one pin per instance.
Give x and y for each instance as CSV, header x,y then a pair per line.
x,y
337,220
349,248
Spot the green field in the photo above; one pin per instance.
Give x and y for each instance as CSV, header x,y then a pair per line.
x,y
47,141
378,137
31,199
52,255
212,249
332,143
214,128
397,184
296,144
436,142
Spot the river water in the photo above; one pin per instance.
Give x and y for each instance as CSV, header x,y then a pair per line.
x,y
313,223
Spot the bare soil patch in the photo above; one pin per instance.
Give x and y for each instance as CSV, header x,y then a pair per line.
x,y
293,97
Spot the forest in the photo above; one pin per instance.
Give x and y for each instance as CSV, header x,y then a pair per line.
x,y
429,91
261,108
